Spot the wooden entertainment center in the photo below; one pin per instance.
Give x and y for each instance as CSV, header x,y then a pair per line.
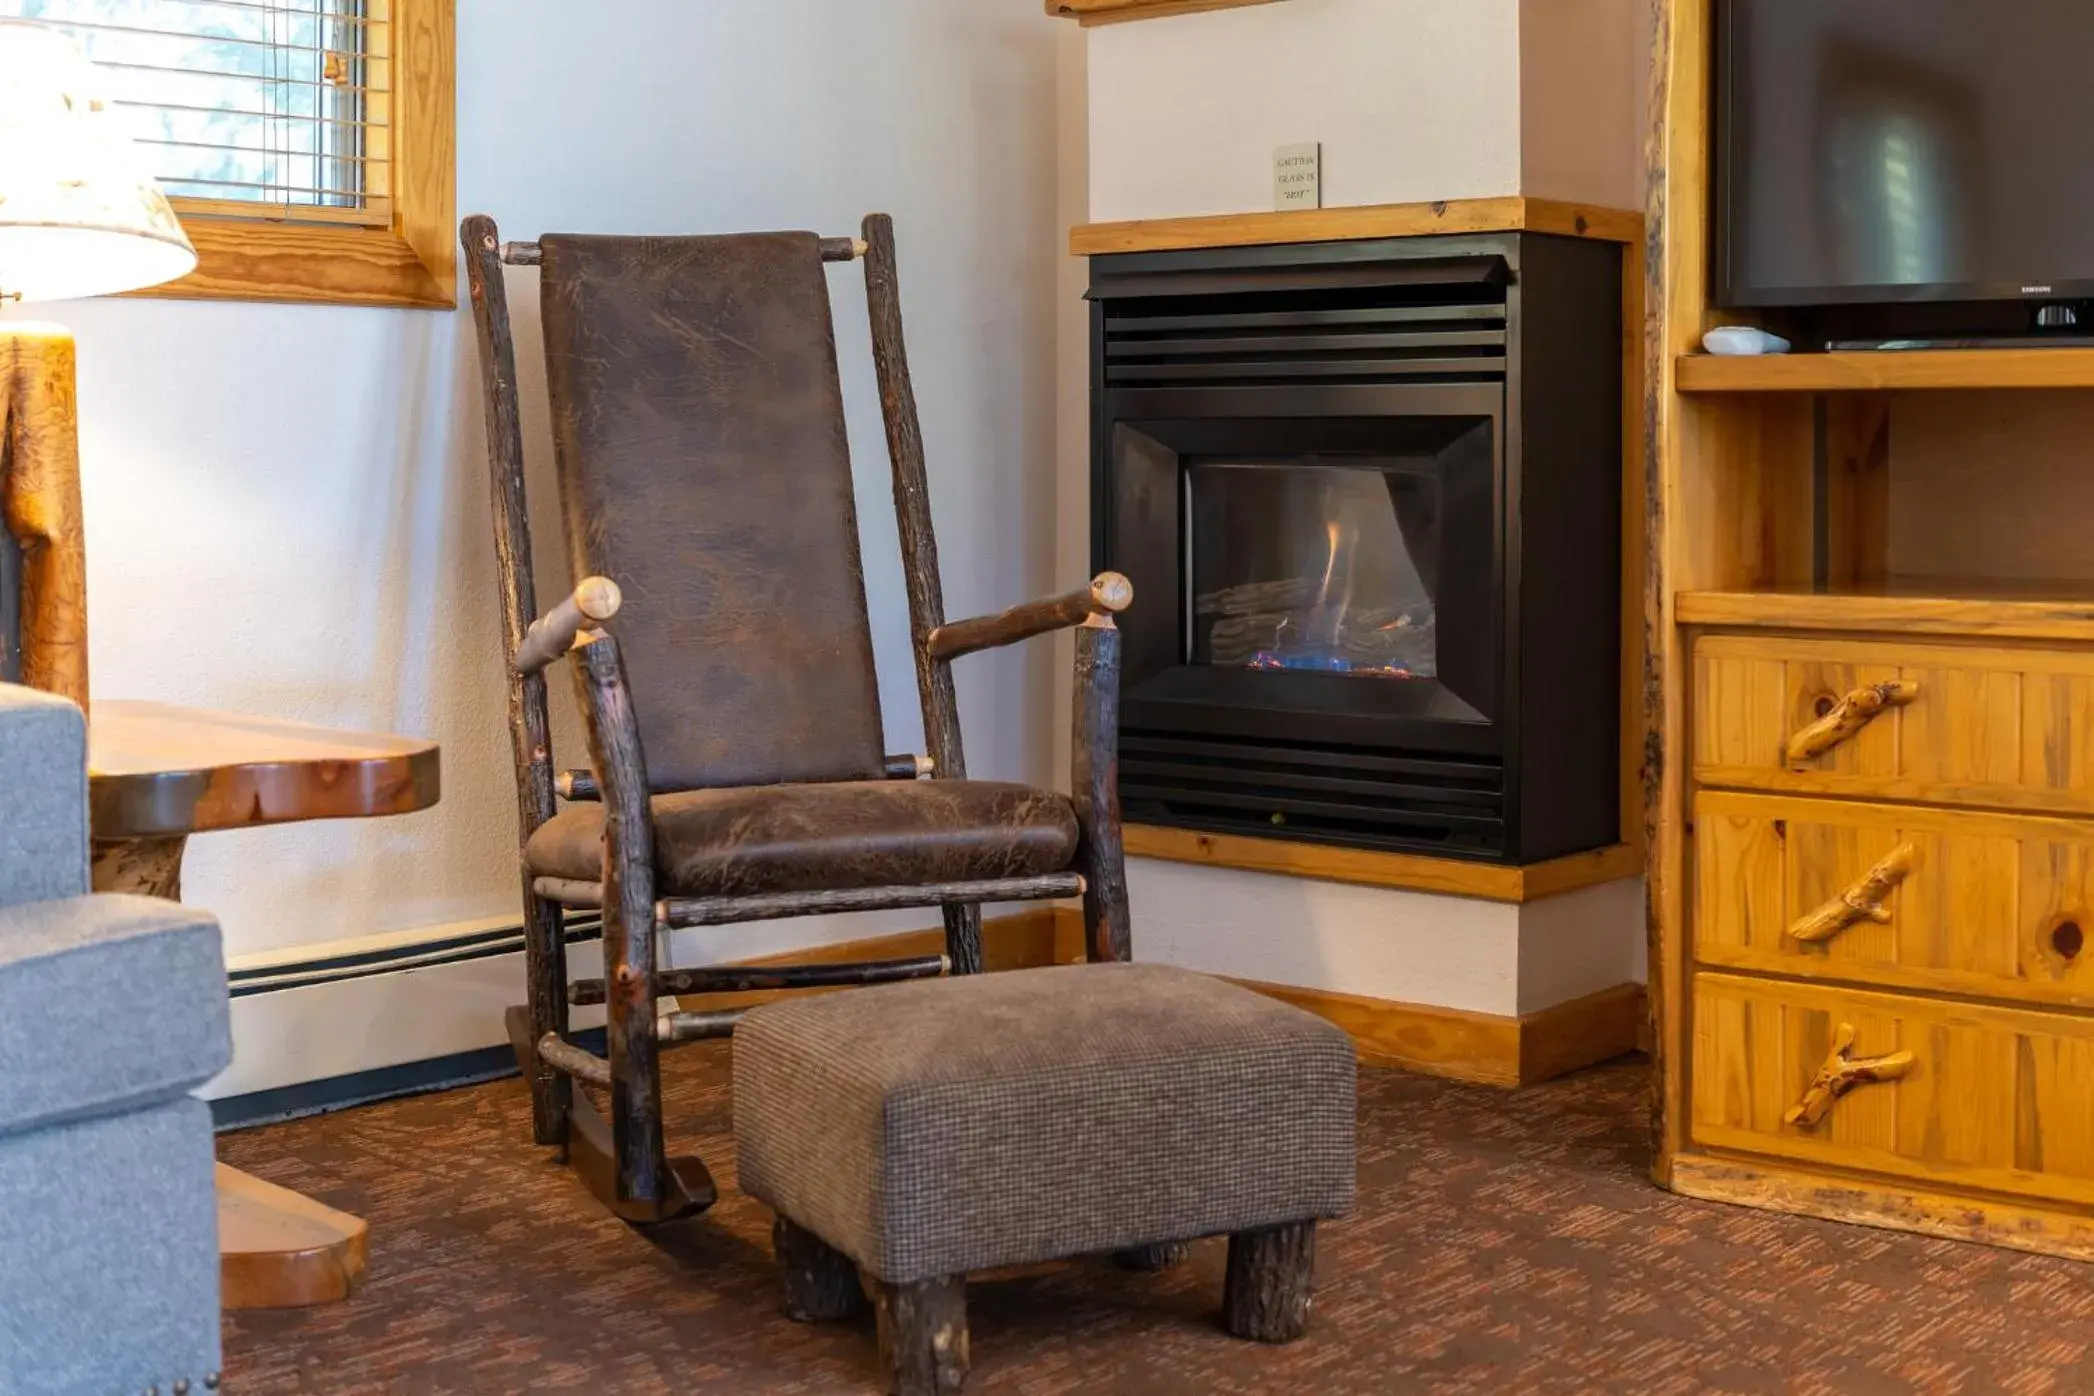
x,y
1870,795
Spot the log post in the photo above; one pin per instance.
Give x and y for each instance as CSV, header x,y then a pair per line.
x,y
1272,1272
530,728
1094,783
820,1283
40,508
142,867
912,508
1108,592
576,619
923,1335
628,925
1152,1259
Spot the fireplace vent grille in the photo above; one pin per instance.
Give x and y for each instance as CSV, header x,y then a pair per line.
x,y
1447,328
1315,793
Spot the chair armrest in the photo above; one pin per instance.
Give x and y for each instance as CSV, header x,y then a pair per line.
x,y
595,600
43,806
1109,593
66,1060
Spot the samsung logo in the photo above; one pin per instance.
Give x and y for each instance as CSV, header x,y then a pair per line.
x,y
2035,290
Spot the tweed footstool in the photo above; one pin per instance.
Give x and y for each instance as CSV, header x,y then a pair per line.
x,y
920,1131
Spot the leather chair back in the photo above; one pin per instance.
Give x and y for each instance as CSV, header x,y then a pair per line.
x,y
699,432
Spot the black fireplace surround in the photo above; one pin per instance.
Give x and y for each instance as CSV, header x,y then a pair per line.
x,y
1369,494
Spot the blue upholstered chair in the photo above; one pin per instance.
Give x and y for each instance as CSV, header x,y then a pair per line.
x,y
112,1012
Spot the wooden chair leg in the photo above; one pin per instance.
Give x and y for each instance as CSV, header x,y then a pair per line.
x,y
820,1282
545,975
923,1335
963,938
1151,1260
1095,788
1272,1270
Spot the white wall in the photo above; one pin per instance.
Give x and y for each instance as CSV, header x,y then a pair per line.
x,y
1378,942
1413,100
286,506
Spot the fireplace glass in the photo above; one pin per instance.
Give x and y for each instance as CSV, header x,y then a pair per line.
x,y
1315,565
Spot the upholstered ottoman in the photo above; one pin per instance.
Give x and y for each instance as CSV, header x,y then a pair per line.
x,y
919,1131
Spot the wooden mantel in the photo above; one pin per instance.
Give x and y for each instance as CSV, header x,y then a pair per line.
x,y
1510,214
1089,12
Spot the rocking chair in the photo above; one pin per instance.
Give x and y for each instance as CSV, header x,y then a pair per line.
x,y
724,661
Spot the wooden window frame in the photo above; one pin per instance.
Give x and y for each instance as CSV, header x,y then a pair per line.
x,y
410,261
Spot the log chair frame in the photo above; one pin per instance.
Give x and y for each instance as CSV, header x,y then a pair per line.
x,y
623,1159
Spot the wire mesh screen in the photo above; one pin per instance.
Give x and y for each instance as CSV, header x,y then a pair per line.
x,y
272,108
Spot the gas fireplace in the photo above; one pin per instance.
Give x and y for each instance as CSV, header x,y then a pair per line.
x,y
1369,496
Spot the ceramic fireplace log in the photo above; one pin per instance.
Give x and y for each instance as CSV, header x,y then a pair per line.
x,y
1109,593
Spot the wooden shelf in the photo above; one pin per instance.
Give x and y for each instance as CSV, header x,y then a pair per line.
x,y
1089,12
2047,611
1885,369
1507,215
1491,882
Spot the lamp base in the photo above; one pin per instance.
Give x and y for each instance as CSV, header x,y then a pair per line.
x,y
43,575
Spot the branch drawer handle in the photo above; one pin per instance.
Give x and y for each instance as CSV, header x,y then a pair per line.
x,y
1841,1073
1861,902
1848,716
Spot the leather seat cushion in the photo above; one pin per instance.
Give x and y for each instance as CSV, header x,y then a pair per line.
x,y
828,836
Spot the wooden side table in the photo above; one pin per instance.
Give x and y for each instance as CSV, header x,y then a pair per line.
x,y
158,773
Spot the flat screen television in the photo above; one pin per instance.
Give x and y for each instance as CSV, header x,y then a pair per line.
x,y
1899,151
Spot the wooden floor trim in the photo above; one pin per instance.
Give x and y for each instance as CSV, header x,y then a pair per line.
x,y
1479,1047
1891,1206
1025,939
1407,872
1509,214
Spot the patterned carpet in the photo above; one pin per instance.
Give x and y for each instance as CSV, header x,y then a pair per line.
x,y
1504,1243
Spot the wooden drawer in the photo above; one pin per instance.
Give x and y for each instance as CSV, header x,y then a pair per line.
x,y
1978,725
1991,1098
1972,903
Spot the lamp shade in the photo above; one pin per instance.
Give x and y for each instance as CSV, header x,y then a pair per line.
x,y
79,213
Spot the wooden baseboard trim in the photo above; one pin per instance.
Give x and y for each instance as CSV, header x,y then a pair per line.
x,y
1023,940
1407,872
1477,1047
2046,1231
1482,1048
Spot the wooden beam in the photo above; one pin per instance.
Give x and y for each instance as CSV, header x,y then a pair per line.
x,y
1511,214
1411,872
1483,1048
1090,12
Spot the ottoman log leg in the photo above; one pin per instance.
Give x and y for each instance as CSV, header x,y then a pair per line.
x,y
1151,1260
820,1282
923,1335
1271,1272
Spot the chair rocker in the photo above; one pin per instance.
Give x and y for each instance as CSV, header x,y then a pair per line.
x,y
724,662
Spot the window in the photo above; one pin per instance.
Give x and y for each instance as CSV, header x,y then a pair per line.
x,y
306,144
